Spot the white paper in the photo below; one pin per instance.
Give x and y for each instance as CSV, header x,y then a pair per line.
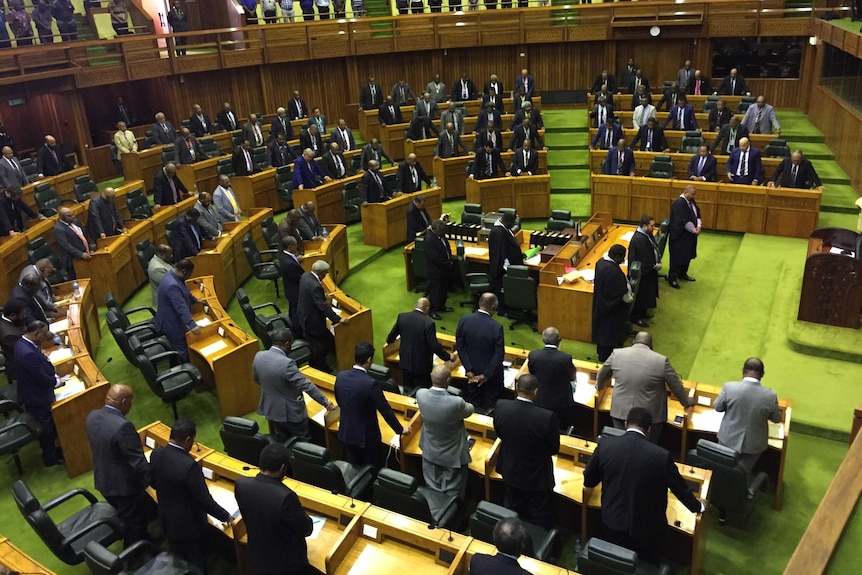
x,y
838,251
509,378
475,252
214,347
395,442
59,326
706,420
776,430
627,237
704,400
226,499
336,310
150,442
534,261
584,393
208,473
588,274
317,526
582,378
60,355
72,386
203,322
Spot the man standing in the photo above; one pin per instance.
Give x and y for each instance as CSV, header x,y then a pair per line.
x,y
464,89
308,225
343,136
306,172
734,85
555,373
437,89
418,219
374,151
410,176
14,213
184,499
503,251
438,254
620,161
685,76
168,189
451,115
510,539
208,220
291,273
120,470
651,138
227,118
242,160
45,293
760,118
480,345
296,108
313,310
526,162
635,477
282,385
179,22
252,132
200,122
103,219
159,265
682,235
12,175
525,80
276,522
334,164
607,134
729,136
281,126
371,95
188,235
71,241
227,206
426,107
719,116
278,153
163,133
373,190
187,150
748,406
681,116
125,140
28,290
173,316
489,163
448,143
796,172
744,165
643,249
50,159
530,437
360,397
702,166
13,325
418,345
611,298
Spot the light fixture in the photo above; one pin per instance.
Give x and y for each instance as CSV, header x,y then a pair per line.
x,y
654,31
812,40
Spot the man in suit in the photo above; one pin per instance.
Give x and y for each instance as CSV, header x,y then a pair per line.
x,y
685,76
620,161
734,85
526,80
50,158
684,228
445,452
681,116
121,473
418,219
371,95
173,316
451,115
604,80
440,265
627,72
14,213
317,119
122,113
641,93
124,139
795,172
309,226
12,175
227,118
609,133
306,172
760,118
389,113
296,108
291,272
276,522
410,176
488,164
313,310
643,249
13,324
163,132
702,166
635,477
493,97
464,89
448,143
611,298
530,437
242,160
288,227
555,373
651,138
525,161
719,116
699,85
343,136
282,385
420,128
183,496
373,190
208,220
602,112
526,132
729,136
604,93
45,293
748,408
744,165
638,80
401,93
503,251
281,125
27,290
437,89
187,150
642,114
251,131
418,345
168,189
311,139
479,343
495,84
360,397
227,206
490,135
510,539
334,164
200,122
278,153
670,96
159,265
71,241
426,107
103,219
527,112
374,151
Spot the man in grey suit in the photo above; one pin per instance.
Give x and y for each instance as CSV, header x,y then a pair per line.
x,y
159,265
641,376
208,214
11,173
452,116
437,89
163,132
445,452
281,386
747,405
425,107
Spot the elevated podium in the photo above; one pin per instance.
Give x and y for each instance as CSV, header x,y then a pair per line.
x,y
832,283
529,195
384,224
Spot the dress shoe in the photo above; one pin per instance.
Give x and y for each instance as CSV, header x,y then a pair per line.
x,y
687,278
447,309
640,323
434,315
674,284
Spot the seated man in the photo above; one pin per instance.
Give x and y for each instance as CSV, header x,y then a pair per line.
x,y
510,540
702,166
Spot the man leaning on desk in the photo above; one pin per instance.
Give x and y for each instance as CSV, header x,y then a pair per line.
x,y
173,316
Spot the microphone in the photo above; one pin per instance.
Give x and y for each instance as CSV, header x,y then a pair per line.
x,y
352,503
450,538
102,367
518,345
244,336
197,447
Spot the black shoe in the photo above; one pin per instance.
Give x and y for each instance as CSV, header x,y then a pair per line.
x,y
649,315
447,309
674,284
640,323
687,278
434,315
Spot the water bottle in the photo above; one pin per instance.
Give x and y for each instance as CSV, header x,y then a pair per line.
x,y
76,290
433,182
325,235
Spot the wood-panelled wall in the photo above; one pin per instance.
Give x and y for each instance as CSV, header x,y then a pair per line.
x,y
841,126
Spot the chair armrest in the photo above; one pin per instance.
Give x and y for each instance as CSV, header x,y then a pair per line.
x,y
266,305
68,201
141,549
173,358
548,545
366,471
266,265
48,212
129,312
67,496
7,405
144,332
757,484
84,530
8,428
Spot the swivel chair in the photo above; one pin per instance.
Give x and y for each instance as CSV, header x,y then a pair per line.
x,y
402,494
311,464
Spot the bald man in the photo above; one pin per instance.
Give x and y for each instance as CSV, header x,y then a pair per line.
x,y
71,241
120,470
103,219
50,159
419,345
410,176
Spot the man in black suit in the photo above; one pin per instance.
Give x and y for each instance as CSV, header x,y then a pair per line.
x,y
13,324
163,132
200,122
440,265
296,108
510,539
526,132
410,176
635,476
186,148
188,235
103,219
168,189
494,98
310,139
555,373
122,113
734,85
242,160
479,343
374,151
719,116
699,85
71,241
313,310
333,163
281,125
530,437
50,158
120,470
36,381
420,128
418,345
495,84
389,113
620,160
682,239
489,135
795,172
525,161
371,95
638,80
227,118
278,153
418,219
729,136
276,522
651,138
702,165
373,190
488,117
14,213
360,397
604,79
503,251
184,500
343,136
27,290
627,72
670,97
464,89
291,273
611,298
448,143
308,225
488,164
602,112
643,249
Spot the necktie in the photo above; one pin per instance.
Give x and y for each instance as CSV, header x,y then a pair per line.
x,y
299,108
620,164
401,92
649,141
697,88
679,119
54,153
191,149
673,97
165,128
203,122
248,161
745,163
283,126
345,140
488,164
731,141
232,121
793,174
601,115
527,134
700,166
258,138
173,189
757,121
197,236
610,135
377,179
392,113
339,166
733,87
229,194
14,165
525,159
451,143
637,83
373,94
413,174
464,93
494,139
81,237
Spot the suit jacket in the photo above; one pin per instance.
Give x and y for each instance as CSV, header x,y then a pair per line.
x,y
156,270
291,273
740,88
276,522
601,137
248,134
306,173
641,376
521,133
404,179
530,436
10,333
626,75
163,136
309,226
240,163
502,246
612,160
360,396
277,128
387,117
454,117
102,218
200,126
518,101
635,476
668,99
755,165
723,138
310,141
173,316
498,88
369,153
71,246
313,308
320,122
555,371
597,115
636,99
485,136
9,176
705,86
528,167
632,83
14,215
34,303
643,249
689,121
282,386
438,91
719,118
184,500
458,90
482,121
680,214
659,141
447,145
683,77
279,155
36,376
345,144
482,564
373,188
439,257
296,111
528,83
418,342
402,94
609,310
497,100
369,101
224,209
747,407
485,161
119,465
49,165
709,167
479,342
806,176
444,437
183,151
162,192
768,121
418,130
599,81
208,221
429,109
331,169
224,121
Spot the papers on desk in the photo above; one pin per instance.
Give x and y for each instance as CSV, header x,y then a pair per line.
x,y
509,378
60,355
584,392
588,274
72,386
776,430
203,322
475,252
326,418
706,419
214,347
317,523
59,326
627,237
226,499
534,261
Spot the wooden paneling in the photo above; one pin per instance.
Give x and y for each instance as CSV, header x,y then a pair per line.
x,y
781,93
841,126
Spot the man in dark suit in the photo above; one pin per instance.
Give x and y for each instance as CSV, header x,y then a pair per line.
x,y
530,113
313,310
27,290
510,539
530,437
605,96
638,80
371,95
173,315
493,98
122,113
611,298
120,470
200,122
278,153
642,94
464,89
604,79
373,190
489,135
609,134
681,117
50,158
343,136
426,106
525,161
12,175
227,118
14,213
602,112
183,496
374,151
276,522
526,80
744,165
252,132
620,160
635,476
418,345
729,136
523,132
627,72
479,343
186,149
702,166
291,273
448,143
643,249
670,97
296,108
503,251
796,172
651,138
389,113
418,219
188,236
440,265
281,126
71,241
682,235
420,128
334,164
310,139
242,160
306,172
495,84
309,226
360,397
719,116
168,189
103,219
410,176
488,164
699,85
734,85
555,373
13,324
163,132
488,117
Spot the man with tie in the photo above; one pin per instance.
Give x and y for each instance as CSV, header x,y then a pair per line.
x,y
526,80
333,163
734,85
744,165
418,219
729,136
373,189
638,80
290,266
371,95
702,166
45,293
389,113
426,107
410,176
208,220
642,114
27,290
464,89
306,172
760,118
440,265
14,213
526,131
296,108
227,118
606,93
242,159
601,112
448,143
719,116
452,115
252,132
343,136
313,309
495,84
200,122
489,135
503,251
163,133
620,160
685,76
308,225
493,97
318,119
311,139
227,206
670,96
168,189
12,175
604,81
50,159
609,133
526,160
639,94
401,93
280,126
420,128
685,226
125,140
682,116
374,151
699,85
643,249
796,172
71,241
186,148
437,89
278,153
488,164
160,264
527,111
188,237
123,113
651,138
103,218
173,316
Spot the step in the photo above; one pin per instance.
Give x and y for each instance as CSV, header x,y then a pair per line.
x,y
570,179
832,219
570,165
812,151
580,205
831,173
839,198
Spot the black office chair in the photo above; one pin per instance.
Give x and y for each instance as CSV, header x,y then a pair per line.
x,y
661,167
263,325
124,315
776,149
102,561
243,440
732,489
258,158
269,229
356,163
170,385
709,105
472,214
67,539
608,431
475,283
156,350
521,296
30,169
420,264
145,251
284,184
47,200
16,431
352,200
84,188
209,147
402,494
167,154
139,207
542,544
560,220
39,249
146,339
598,557
661,241
310,463
691,142
224,167
262,270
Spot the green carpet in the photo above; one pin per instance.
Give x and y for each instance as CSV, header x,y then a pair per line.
x,y
839,198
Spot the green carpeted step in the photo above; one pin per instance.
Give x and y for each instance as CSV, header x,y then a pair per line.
x,y
564,119
846,220
570,165
813,151
831,173
571,179
377,8
578,204
839,198
796,127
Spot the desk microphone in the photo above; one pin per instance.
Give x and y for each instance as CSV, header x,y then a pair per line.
x,y
518,345
197,447
102,367
450,538
244,336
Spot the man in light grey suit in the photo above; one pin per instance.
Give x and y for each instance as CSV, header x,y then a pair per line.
x,y
159,265
747,405
445,452
11,173
281,388
226,202
641,376
437,89
453,116
426,107
208,215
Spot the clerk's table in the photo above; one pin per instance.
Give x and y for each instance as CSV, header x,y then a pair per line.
x,y
384,224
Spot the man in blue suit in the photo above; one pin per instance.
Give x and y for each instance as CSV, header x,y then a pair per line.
x,y
174,315
479,342
360,396
36,381
744,165
682,116
609,133
620,161
306,171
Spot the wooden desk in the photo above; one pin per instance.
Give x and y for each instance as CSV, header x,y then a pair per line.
x,y
143,165
333,250
200,176
424,150
384,224
392,138
680,164
624,101
17,560
674,137
529,195
258,191
451,173
110,268
63,184
329,200
356,331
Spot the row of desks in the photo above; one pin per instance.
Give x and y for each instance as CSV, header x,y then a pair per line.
x,y
680,163
674,137
451,173
624,101
424,149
